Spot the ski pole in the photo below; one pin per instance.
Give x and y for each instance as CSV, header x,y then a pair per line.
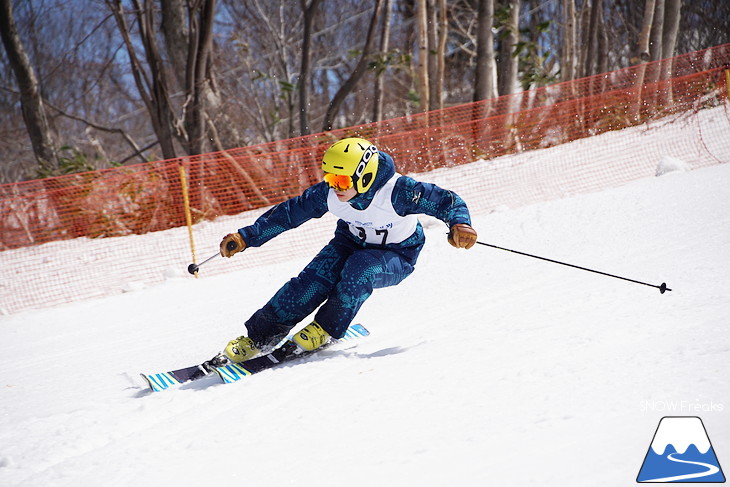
x,y
662,287
193,268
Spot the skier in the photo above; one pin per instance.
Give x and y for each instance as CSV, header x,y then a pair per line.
x,y
376,244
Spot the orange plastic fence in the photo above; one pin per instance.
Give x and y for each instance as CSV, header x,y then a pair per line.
x,y
136,200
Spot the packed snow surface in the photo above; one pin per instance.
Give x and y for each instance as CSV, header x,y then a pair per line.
x,y
483,368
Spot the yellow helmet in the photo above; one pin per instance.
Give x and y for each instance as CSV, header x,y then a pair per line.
x,y
353,157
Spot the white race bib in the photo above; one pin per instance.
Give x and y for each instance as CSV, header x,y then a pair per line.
x,y
378,223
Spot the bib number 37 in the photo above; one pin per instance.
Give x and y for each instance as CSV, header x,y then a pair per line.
x,y
373,236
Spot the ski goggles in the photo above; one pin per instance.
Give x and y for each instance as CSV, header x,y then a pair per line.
x,y
338,182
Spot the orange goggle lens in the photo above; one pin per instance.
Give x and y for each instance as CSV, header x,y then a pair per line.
x,y
339,182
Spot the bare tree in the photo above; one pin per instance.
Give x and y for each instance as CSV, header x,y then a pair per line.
x,y
255,80
31,101
199,78
672,16
643,54
437,27
151,84
174,25
423,55
669,42
592,37
485,84
263,63
384,47
657,31
305,69
703,24
193,127
509,35
569,56
357,73
442,29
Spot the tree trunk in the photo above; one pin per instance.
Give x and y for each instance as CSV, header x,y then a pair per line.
x,y
603,46
432,26
443,35
642,51
305,67
438,27
567,62
672,17
589,68
669,42
174,27
31,101
507,79
657,31
422,66
384,46
584,19
153,88
484,83
356,74
198,81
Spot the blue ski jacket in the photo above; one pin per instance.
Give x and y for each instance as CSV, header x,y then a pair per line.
x,y
409,197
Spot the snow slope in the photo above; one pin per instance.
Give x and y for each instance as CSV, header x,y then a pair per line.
x,y
483,368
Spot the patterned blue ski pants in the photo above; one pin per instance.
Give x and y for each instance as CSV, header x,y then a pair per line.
x,y
342,276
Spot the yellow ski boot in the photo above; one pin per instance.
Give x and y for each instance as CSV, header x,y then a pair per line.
x,y
311,337
241,349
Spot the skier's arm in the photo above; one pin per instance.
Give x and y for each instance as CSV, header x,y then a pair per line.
x,y
411,196
287,215
280,218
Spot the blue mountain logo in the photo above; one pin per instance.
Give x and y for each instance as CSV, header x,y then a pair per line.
x,y
681,452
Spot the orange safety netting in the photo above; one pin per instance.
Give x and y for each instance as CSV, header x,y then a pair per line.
x,y
136,200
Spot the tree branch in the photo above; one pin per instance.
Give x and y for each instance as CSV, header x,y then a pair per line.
x,y
125,136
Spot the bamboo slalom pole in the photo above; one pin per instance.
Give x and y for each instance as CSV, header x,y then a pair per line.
x,y
188,216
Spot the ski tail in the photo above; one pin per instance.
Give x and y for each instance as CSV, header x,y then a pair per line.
x,y
164,380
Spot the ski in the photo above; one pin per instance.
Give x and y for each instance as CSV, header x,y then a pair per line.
x,y
232,372
163,380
